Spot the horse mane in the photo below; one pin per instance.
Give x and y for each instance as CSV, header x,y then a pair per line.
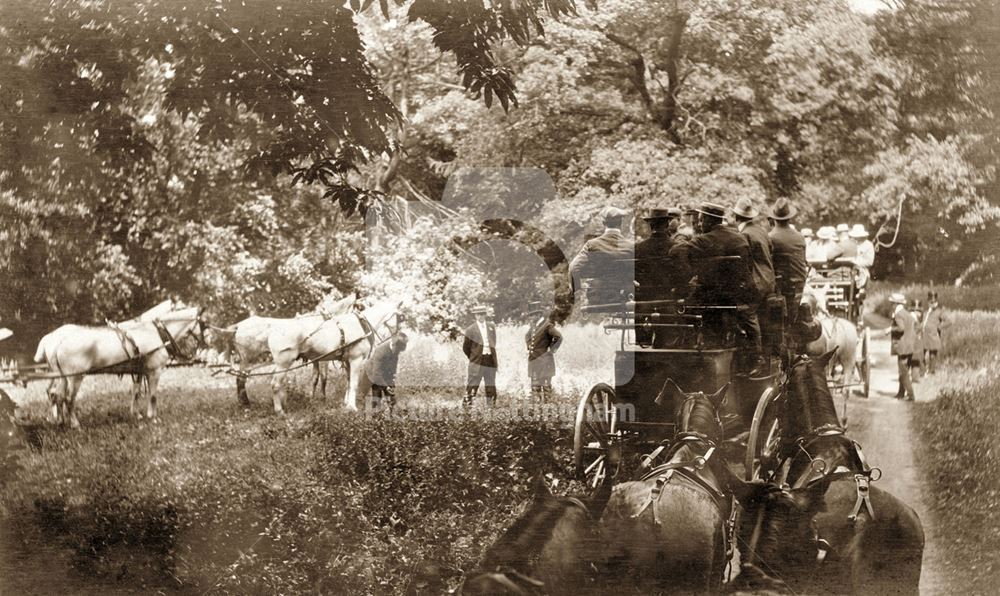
x,y
525,538
810,404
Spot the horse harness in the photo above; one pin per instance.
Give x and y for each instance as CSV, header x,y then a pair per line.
x,y
692,471
862,479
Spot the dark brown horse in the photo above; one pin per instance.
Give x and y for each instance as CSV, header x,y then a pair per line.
x,y
826,530
550,549
667,531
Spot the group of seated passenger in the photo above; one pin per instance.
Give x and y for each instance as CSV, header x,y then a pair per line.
x,y
840,245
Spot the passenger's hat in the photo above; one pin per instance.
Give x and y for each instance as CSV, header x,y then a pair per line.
x,y
657,213
712,210
807,232
826,233
897,298
858,231
782,210
843,228
745,209
479,310
612,213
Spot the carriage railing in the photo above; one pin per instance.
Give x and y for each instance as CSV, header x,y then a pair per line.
x,y
840,277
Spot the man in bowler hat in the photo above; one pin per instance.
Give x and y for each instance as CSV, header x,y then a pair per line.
x,y
480,347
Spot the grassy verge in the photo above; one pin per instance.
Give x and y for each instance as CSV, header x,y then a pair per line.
x,y
215,498
969,299
959,447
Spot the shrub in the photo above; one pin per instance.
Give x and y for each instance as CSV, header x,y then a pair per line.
x,y
321,500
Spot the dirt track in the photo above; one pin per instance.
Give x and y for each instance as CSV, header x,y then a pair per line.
x,y
881,424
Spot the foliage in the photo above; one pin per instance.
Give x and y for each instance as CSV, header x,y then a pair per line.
x,y
959,444
319,501
429,272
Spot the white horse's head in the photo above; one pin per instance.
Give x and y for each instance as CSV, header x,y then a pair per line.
x,y
384,315
816,296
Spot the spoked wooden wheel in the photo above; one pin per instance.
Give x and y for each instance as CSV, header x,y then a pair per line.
x,y
762,444
595,436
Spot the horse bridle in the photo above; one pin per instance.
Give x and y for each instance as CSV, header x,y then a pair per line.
x,y
171,343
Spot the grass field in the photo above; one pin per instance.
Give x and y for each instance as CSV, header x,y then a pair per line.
x,y
215,497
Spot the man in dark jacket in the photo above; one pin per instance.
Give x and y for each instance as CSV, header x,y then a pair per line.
x,y
719,258
652,269
381,369
542,340
788,249
480,347
903,334
761,265
605,262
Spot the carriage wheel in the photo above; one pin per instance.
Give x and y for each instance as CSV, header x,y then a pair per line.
x,y
761,448
595,430
865,363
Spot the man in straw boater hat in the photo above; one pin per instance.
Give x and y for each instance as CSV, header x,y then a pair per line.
x,y
826,247
864,256
542,341
848,245
480,347
903,336
719,279
652,281
606,261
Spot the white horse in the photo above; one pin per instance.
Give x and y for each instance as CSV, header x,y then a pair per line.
x,y
249,339
72,351
348,338
837,333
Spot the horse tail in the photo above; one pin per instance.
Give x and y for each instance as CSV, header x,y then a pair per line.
x,y
40,352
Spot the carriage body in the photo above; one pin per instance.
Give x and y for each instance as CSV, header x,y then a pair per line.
x,y
845,298
619,424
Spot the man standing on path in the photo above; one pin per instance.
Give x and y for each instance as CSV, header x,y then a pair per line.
x,y
933,324
542,340
480,347
902,333
381,370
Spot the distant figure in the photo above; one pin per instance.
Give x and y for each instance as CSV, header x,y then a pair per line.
x,y
917,359
480,347
864,257
902,335
542,340
826,248
847,244
606,262
381,370
934,323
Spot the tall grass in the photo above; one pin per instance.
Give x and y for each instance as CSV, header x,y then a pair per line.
x,y
951,298
585,358
958,445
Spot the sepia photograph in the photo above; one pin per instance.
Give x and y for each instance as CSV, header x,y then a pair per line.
x,y
475,297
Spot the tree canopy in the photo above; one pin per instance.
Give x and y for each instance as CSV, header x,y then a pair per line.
x,y
223,150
